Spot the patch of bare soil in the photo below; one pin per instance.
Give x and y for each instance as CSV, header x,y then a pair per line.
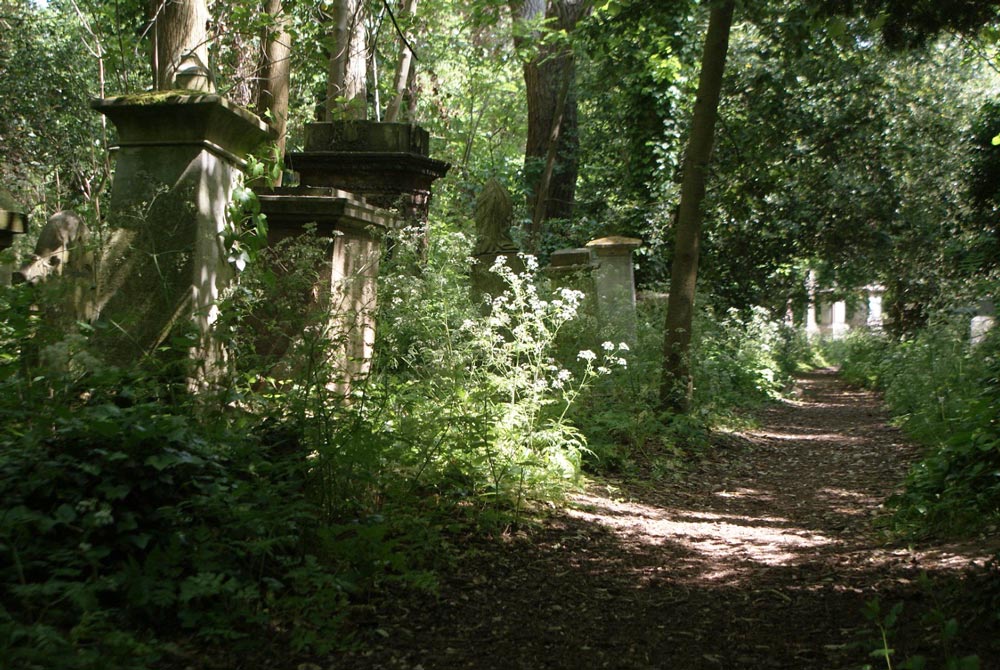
x,y
764,558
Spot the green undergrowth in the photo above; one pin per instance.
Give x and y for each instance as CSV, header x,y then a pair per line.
x,y
143,523
740,360
945,393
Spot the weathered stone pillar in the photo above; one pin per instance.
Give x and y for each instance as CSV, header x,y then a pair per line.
x,y
388,164
343,304
163,268
614,286
812,325
874,317
12,222
838,319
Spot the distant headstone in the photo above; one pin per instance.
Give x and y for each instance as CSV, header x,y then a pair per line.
x,y
983,322
614,285
838,319
812,323
62,251
494,216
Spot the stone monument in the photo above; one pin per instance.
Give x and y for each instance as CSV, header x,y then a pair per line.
x,y
344,299
614,286
494,216
983,322
62,251
388,164
162,270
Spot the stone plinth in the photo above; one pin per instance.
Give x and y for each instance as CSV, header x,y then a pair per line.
x,y
569,261
388,164
162,270
343,303
873,315
614,286
12,222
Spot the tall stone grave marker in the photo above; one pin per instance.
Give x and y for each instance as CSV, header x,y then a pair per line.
x,y
343,303
178,158
494,217
614,284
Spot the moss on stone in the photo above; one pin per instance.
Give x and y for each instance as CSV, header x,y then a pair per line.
x,y
159,97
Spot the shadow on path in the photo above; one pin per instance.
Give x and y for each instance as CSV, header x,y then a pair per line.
x,y
763,559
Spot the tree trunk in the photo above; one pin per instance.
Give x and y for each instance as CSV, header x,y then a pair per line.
x,y
180,33
271,101
676,386
346,90
550,83
402,79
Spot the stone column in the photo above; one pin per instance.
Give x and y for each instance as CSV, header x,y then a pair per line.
x,y
162,270
614,284
812,326
875,293
344,302
838,319
12,222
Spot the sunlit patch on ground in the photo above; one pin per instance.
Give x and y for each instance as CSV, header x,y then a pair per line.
x,y
849,503
832,438
725,541
743,492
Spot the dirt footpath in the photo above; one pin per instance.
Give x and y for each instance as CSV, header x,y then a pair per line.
x,y
764,558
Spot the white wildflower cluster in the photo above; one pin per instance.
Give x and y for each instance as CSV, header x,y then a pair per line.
x,y
561,378
611,357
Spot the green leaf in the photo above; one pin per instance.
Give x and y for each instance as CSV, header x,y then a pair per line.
x,y
65,514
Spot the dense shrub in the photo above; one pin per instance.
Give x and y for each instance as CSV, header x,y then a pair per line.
x,y
125,520
945,393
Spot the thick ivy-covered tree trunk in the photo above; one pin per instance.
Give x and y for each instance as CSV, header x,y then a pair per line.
x,y
676,386
551,151
180,31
